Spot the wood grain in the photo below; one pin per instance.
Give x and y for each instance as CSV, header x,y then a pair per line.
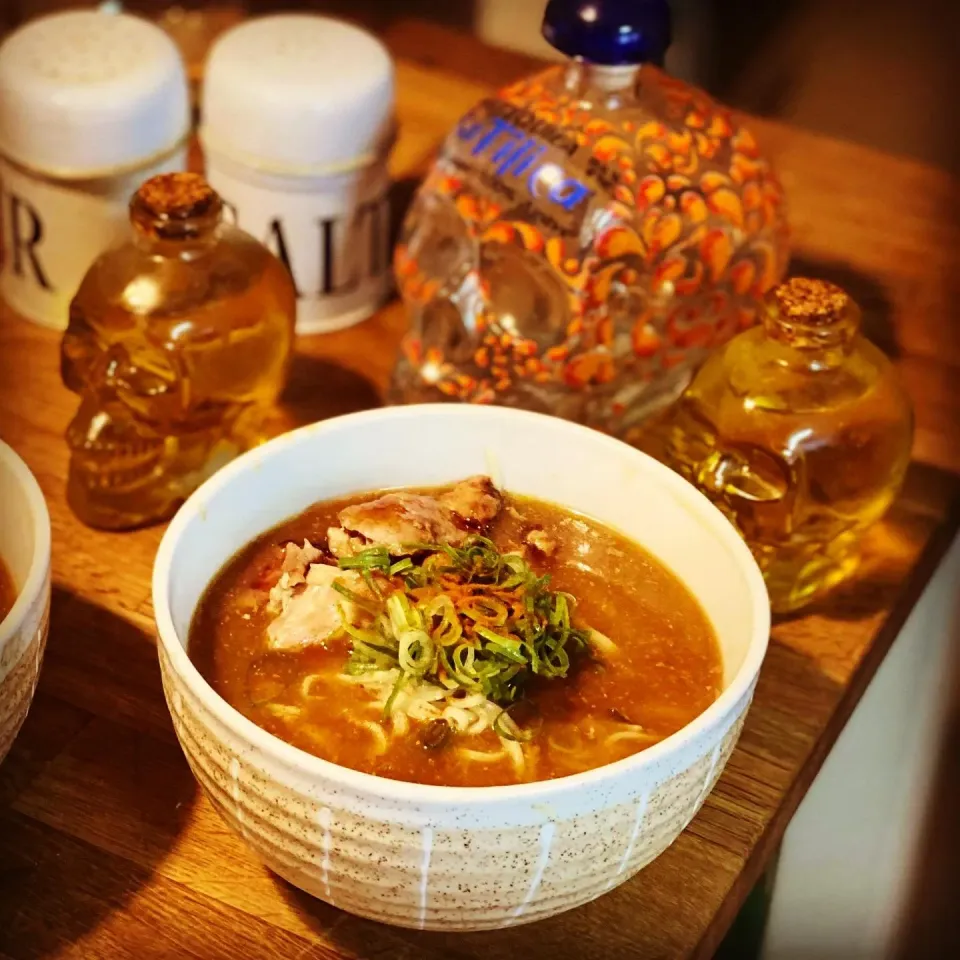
x,y
109,850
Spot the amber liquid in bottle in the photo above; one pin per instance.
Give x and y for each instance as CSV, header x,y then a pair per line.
x,y
178,345
800,433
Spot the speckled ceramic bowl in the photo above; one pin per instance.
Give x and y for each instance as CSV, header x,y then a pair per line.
x,y
453,858
25,550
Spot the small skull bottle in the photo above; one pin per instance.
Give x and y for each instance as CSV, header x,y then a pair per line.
x,y
800,432
178,343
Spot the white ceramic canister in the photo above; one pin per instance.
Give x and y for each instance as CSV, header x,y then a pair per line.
x,y
296,125
91,105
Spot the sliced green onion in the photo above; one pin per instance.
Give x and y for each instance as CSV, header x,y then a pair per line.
x,y
557,662
402,615
463,658
355,598
416,653
367,654
362,636
491,639
560,615
388,706
371,583
506,726
487,610
508,647
373,558
449,630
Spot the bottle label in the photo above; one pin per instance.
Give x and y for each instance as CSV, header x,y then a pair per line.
x,y
332,233
54,229
523,158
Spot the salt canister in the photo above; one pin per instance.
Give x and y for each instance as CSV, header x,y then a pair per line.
x,y
91,105
296,127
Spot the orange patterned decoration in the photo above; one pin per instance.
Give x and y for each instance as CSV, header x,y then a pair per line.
x,y
580,247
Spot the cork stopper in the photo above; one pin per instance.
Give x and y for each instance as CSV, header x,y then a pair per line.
x,y
811,301
811,313
176,196
176,206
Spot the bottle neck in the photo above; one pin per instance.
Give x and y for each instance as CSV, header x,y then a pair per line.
x,y
616,85
176,215
185,238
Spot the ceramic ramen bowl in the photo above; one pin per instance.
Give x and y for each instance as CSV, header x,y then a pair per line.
x,y
456,858
25,551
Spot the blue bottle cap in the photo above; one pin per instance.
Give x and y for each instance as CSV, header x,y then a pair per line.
x,y
609,32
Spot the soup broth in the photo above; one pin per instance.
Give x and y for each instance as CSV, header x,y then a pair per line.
x,y
8,592
498,676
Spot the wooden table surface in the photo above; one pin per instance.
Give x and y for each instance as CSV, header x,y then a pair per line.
x,y
109,850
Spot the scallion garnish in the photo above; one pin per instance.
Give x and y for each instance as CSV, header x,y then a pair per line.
x,y
367,561
466,617
355,598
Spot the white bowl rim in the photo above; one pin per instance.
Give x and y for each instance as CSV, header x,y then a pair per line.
x,y
430,794
40,563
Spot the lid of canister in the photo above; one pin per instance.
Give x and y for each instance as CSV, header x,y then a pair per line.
x,y
298,94
88,93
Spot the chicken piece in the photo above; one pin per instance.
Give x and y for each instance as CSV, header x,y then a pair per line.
x,y
293,573
297,559
475,501
313,615
398,520
342,544
542,541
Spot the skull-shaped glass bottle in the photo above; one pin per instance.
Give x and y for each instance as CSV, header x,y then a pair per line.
x,y
178,343
799,431
587,235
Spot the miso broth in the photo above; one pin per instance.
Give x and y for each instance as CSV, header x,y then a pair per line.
x,y
532,643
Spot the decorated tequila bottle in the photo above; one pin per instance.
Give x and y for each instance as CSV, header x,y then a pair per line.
x,y
587,235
